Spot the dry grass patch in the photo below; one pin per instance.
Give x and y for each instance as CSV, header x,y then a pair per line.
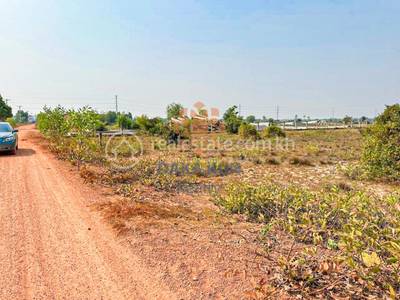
x,y
120,212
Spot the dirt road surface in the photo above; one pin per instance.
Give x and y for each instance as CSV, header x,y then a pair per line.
x,y
52,246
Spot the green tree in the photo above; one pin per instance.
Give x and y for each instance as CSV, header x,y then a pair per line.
x,y
363,119
347,120
232,119
381,149
5,110
174,110
124,122
109,117
158,127
251,119
21,116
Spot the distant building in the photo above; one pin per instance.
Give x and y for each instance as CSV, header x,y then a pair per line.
x,y
31,119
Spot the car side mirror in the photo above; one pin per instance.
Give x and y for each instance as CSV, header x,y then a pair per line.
x,y
15,131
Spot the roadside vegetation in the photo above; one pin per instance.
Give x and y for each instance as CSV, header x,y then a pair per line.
x,y
5,110
359,232
328,197
6,114
381,151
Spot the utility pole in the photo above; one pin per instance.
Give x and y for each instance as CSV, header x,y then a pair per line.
x,y
277,113
116,104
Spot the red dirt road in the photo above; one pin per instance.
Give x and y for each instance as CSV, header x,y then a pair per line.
x,y
52,246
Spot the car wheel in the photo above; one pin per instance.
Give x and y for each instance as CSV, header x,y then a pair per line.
x,y
16,148
14,152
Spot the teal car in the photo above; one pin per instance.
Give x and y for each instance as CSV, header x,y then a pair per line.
x,y
8,138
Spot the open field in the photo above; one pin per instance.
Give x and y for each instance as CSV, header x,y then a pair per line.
x,y
231,218
200,150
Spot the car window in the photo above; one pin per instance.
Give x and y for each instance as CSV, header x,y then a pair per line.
x,y
5,128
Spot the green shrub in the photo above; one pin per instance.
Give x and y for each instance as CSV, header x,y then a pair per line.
x,y
12,122
101,126
53,123
71,133
82,126
354,171
273,131
381,149
198,167
248,131
153,126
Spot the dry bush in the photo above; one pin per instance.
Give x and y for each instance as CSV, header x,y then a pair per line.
x,y
298,161
362,231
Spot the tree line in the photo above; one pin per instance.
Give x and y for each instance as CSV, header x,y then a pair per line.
x,y
6,114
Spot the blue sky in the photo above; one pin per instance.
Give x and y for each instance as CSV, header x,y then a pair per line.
x,y
310,57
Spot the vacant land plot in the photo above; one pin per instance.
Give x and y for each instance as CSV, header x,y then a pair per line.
x,y
225,217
